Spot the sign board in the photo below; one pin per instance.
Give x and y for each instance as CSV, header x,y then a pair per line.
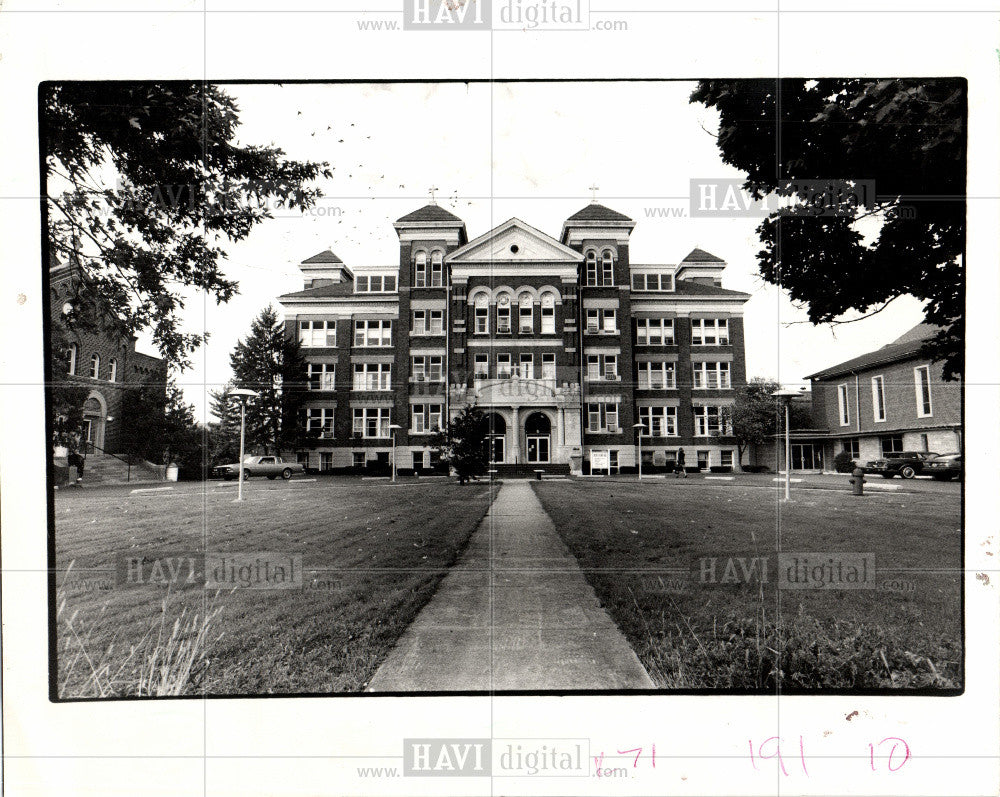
x,y
600,460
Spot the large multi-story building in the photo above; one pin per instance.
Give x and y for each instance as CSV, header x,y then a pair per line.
x,y
566,343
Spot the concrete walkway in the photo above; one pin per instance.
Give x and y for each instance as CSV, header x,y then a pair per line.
x,y
515,612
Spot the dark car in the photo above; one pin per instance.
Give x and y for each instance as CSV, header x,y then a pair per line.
x,y
905,464
944,466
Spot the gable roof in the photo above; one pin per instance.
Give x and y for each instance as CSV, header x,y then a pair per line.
x,y
597,212
557,252
690,288
326,256
697,255
905,347
338,289
430,212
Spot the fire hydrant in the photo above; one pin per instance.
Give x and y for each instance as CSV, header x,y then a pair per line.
x,y
858,481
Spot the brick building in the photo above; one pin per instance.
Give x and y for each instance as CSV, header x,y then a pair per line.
x,y
101,357
565,343
889,400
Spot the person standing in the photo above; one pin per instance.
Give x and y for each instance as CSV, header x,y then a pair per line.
x,y
679,468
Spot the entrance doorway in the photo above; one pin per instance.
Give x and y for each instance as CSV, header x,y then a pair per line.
x,y
537,433
806,457
495,439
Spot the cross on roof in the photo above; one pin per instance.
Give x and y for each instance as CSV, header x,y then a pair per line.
x,y
593,192
432,191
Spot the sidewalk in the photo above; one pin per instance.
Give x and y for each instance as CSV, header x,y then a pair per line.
x,y
514,613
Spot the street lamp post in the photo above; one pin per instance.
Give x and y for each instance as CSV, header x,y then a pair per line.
x,y
640,427
243,396
786,398
393,427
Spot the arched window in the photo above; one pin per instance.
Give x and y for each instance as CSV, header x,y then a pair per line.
x,y
503,314
526,323
437,269
548,314
113,370
607,267
420,270
591,256
71,359
95,366
482,314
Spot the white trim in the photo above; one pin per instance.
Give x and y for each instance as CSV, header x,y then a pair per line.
x,y
878,379
918,391
843,404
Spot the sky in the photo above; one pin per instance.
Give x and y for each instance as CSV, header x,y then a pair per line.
x,y
530,150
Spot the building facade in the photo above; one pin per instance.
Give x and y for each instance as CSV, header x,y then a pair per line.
x,y
565,343
99,356
889,400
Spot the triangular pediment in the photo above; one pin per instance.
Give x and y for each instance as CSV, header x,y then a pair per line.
x,y
513,242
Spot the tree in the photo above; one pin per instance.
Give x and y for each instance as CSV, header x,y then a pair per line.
x,y
752,414
145,183
271,363
67,400
161,427
908,136
466,445
224,436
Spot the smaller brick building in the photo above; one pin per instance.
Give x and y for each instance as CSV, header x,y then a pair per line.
x,y
889,400
103,359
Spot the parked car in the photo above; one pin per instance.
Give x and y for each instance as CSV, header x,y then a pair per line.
x,y
905,464
272,467
944,466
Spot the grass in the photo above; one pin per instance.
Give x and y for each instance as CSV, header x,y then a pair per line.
x,y
372,556
641,545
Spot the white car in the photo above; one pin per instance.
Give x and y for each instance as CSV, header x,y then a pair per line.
x,y
272,467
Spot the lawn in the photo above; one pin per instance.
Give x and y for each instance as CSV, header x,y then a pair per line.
x,y
372,556
642,545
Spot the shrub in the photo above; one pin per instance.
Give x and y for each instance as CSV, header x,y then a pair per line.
x,y
756,469
843,463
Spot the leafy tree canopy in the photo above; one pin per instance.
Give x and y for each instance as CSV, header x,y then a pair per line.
x,y
467,434
145,184
908,136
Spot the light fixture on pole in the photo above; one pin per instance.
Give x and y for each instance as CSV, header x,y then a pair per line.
x,y
243,396
641,428
786,397
392,428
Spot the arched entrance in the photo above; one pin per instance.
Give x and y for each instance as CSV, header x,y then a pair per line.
x,y
537,434
496,438
94,415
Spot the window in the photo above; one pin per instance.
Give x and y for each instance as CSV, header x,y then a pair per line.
x,y
659,281
608,267
71,359
527,370
843,407
549,367
613,460
95,366
602,366
852,447
703,460
654,332
420,270
709,332
318,334
922,385
372,334
656,376
658,421
320,421
426,418
711,376
372,422
526,323
593,321
375,283
482,314
602,417
878,398
710,421
113,370
428,368
891,444
437,270
504,369
599,321
428,322
321,376
548,314
418,460
503,315
357,459
609,321
591,264
372,376
726,458
482,366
